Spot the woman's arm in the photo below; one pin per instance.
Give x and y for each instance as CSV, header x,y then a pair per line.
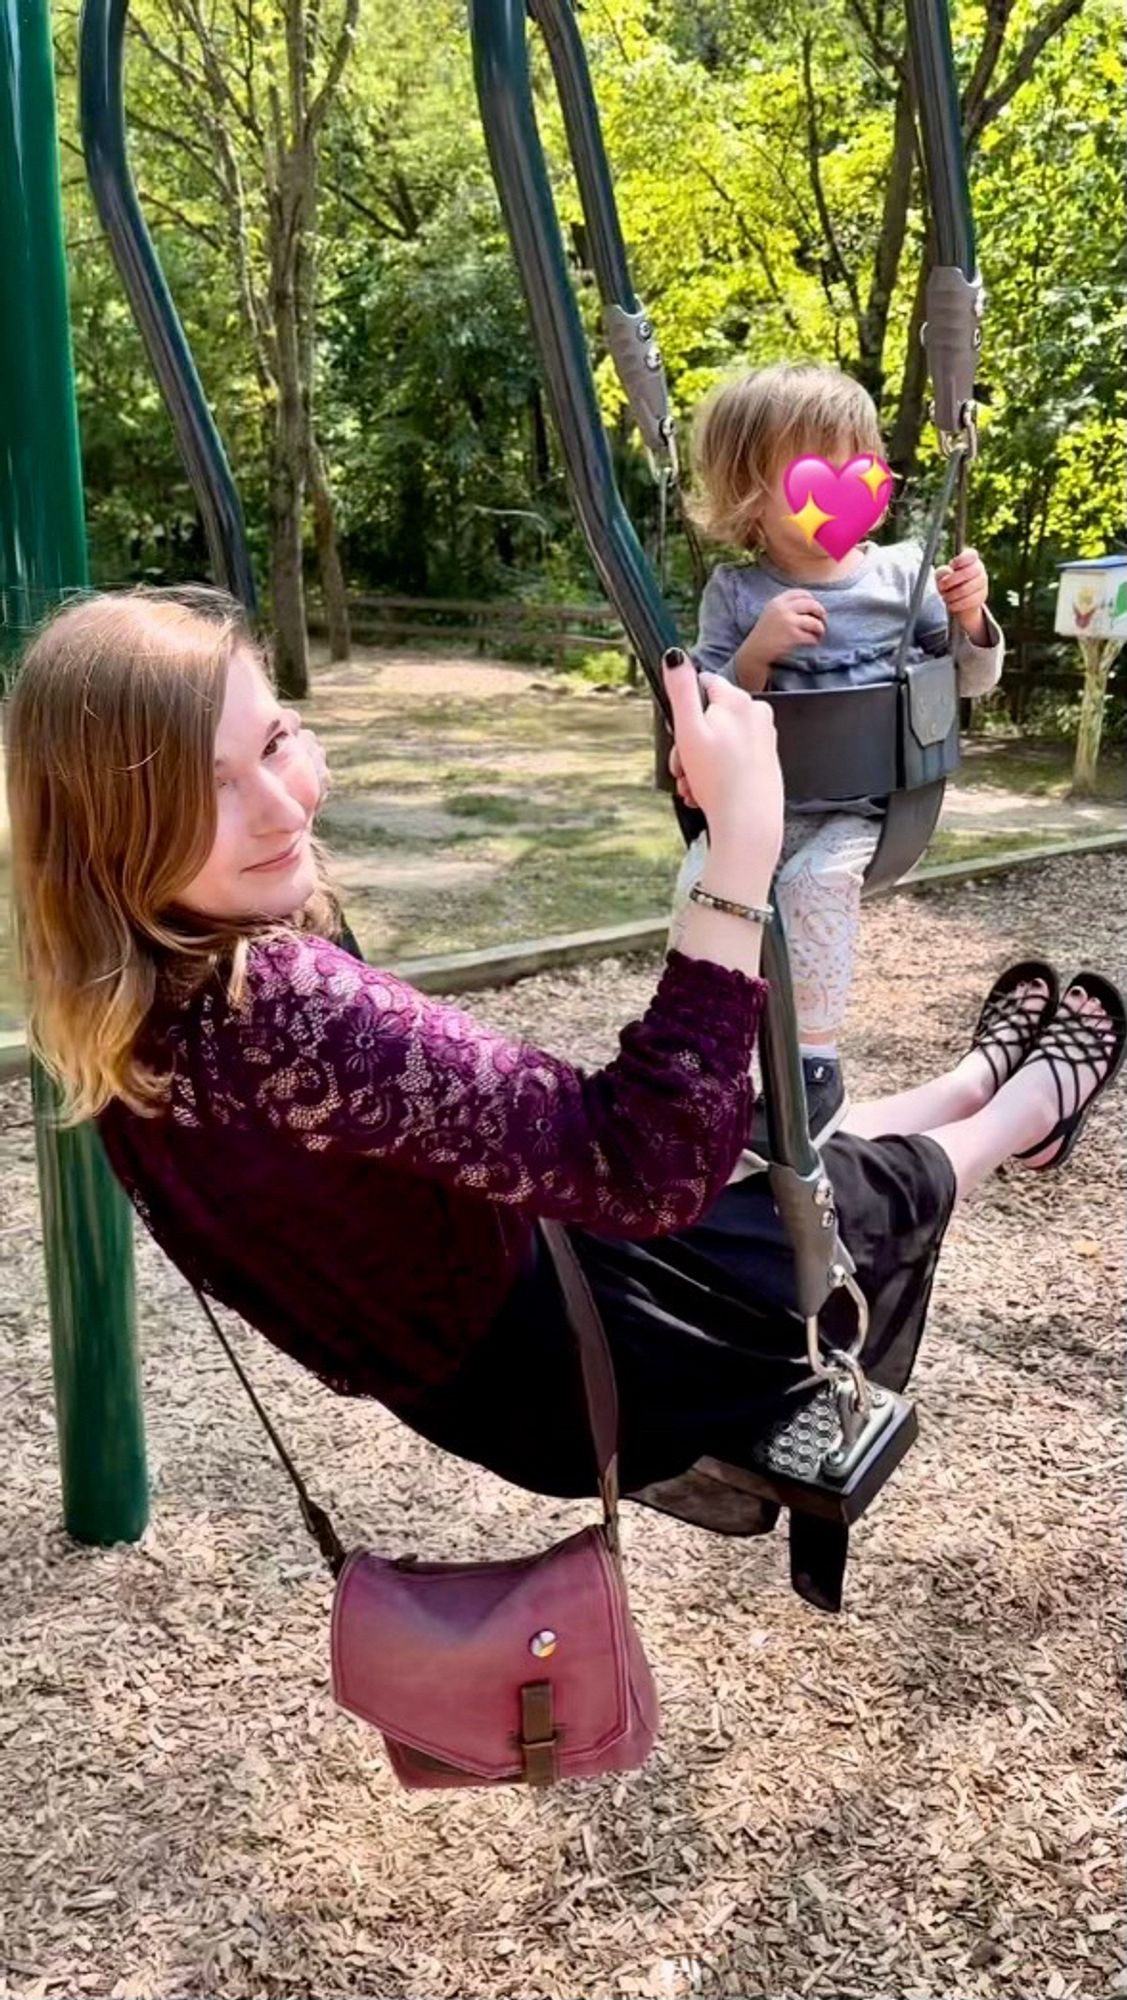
x,y
335,1055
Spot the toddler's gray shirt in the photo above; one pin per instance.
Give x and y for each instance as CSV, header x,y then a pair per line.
x,y
865,615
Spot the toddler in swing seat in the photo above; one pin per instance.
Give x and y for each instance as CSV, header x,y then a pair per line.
x,y
792,615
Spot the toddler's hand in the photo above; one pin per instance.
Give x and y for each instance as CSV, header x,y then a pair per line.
x,y
964,587
793,618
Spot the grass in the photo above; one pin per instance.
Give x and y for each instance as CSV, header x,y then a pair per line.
x,y
962,844
1042,769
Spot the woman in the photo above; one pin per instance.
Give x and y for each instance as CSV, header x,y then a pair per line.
x,y
356,1168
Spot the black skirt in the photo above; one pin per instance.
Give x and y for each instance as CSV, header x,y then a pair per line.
x,y
702,1328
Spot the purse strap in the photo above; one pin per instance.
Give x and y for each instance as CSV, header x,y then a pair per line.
x,y
596,1366
599,1393
315,1518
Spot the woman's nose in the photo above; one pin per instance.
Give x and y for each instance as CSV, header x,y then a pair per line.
x,y
276,807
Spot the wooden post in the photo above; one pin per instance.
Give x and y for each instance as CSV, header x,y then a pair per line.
x,y
1098,657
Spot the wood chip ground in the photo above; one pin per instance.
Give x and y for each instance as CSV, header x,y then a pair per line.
x,y
922,1798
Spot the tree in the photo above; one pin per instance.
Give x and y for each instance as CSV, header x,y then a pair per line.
x,y
259,79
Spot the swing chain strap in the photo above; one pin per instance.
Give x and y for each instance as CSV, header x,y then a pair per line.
x,y
956,472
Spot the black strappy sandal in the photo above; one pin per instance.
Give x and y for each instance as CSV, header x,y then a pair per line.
x,y
1012,1022
1076,1042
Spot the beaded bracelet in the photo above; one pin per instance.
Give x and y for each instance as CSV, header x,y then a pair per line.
x,y
752,911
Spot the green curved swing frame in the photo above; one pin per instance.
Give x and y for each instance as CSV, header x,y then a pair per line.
x,y
101,1433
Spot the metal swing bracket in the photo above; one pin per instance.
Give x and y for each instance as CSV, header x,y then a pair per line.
x,y
955,297
627,327
634,350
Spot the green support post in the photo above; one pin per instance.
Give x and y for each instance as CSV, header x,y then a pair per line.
x,y
86,1223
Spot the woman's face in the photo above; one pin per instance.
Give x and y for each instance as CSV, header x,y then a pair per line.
x,y
267,791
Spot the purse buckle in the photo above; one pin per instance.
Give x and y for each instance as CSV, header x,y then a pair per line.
x,y
539,1737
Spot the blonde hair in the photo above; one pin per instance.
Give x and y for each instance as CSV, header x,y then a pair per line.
x,y
751,425
111,792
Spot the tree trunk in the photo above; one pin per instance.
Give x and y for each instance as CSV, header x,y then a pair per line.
x,y
328,553
287,477
1098,656
890,245
904,443
287,586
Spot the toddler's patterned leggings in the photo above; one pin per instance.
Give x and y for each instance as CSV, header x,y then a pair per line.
x,y
818,887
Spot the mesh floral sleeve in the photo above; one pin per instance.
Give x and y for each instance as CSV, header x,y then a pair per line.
x,y
335,1054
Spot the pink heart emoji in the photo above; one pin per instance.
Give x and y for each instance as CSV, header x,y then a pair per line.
x,y
836,506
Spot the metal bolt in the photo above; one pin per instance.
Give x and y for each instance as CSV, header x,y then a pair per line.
x,y
822,1194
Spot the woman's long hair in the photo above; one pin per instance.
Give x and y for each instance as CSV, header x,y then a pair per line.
x,y
111,793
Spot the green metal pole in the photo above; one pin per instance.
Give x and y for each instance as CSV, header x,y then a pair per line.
x,y
86,1225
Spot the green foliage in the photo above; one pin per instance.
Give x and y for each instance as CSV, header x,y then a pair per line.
x,y
607,668
446,476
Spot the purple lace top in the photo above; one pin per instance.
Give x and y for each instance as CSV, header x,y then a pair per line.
x,y
353,1166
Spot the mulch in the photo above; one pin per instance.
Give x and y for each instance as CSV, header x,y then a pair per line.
x,y
923,1797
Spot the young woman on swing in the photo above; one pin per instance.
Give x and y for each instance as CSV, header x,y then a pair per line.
x,y
355,1168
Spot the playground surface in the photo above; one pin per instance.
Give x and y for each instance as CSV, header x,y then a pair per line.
x,y
923,1797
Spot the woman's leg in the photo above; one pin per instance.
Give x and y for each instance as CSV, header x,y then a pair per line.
x,y
945,1100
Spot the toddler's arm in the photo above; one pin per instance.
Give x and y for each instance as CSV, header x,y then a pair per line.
x,y
792,619
719,633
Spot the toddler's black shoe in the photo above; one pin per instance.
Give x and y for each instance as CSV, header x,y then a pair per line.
x,y
826,1106
825,1095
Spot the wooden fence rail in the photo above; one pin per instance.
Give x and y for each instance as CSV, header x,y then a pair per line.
x,y
556,629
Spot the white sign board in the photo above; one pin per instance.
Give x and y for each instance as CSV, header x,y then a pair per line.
x,y
1092,599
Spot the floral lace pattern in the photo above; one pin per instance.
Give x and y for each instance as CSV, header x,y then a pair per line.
x,y
353,1165
332,1054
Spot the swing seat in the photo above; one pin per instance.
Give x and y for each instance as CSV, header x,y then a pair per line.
x,y
896,740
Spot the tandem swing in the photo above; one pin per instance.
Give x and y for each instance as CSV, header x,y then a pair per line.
x,y
827,1461
897,740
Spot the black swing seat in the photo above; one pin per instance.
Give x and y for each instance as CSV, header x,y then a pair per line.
x,y
896,740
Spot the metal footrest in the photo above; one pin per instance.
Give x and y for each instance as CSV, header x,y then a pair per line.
x,y
805,1462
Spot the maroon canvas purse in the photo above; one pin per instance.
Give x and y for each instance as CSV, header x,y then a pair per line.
x,y
523,1671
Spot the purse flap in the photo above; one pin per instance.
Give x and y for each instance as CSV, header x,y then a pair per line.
x,y
933,700
435,1654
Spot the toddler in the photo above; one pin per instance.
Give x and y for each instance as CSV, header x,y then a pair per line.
x,y
796,617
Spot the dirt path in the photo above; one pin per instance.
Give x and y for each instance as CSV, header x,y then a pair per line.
x,y
527,801
921,1798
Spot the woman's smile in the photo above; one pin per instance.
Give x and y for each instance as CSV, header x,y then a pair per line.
x,y
283,860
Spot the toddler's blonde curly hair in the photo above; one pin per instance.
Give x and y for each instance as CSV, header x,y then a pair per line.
x,y
753,424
